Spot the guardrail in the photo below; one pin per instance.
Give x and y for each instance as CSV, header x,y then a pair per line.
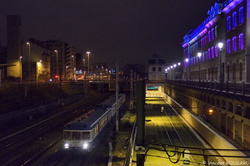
x,y
130,150
239,88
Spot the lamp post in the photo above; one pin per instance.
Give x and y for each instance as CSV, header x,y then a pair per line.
x,y
73,66
187,71
56,62
220,45
28,60
21,69
88,52
199,61
83,66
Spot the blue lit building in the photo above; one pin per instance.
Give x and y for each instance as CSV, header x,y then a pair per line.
x,y
227,22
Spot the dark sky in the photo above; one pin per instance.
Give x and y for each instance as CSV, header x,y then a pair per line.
x,y
123,31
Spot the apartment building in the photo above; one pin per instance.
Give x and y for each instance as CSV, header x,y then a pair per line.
x,y
218,49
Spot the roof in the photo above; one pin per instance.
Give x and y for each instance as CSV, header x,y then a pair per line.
x,y
88,123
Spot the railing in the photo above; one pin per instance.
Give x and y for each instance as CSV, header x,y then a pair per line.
x,y
228,87
130,150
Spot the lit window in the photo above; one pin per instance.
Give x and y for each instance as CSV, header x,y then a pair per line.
x,y
216,31
241,15
228,23
234,44
208,54
205,56
228,46
234,19
241,41
216,51
212,52
212,33
208,34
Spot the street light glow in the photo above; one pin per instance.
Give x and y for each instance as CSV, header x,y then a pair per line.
x,y
199,54
220,45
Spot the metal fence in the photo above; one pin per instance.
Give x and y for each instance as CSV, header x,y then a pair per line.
x,y
229,87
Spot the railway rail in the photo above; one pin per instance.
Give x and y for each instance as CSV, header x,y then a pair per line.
x,y
167,133
21,145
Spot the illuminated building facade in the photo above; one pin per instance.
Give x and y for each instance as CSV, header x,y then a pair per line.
x,y
227,22
70,62
35,62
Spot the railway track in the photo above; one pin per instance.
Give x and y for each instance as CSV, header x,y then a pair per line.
x,y
167,132
22,144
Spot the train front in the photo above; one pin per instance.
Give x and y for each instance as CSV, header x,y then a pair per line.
x,y
75,137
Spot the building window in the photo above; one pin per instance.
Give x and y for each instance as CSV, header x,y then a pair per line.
x,y
209,36
241,15
240,71
212,52
216,31
159,68
153,69
153,77
212,33
234,19
216,51
234,44
208,54
241,41
228,46
234,72
159,77
228,23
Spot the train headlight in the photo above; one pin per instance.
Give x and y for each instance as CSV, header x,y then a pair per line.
x,y
85,146
66,145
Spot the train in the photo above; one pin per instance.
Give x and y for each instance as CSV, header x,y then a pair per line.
x,y
83,132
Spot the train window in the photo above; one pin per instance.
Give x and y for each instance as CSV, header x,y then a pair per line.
x,y
67,135
85,135
76,135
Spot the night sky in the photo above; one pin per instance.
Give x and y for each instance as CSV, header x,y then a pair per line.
x,y
123,31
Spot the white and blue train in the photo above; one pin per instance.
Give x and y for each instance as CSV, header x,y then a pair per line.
x,y
82,132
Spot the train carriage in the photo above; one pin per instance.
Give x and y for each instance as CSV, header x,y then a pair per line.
x,y
83,132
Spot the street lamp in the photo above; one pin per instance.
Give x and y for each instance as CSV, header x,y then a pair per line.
x,y
83,64
199,61
187,71
21,68
73,66
56,62
220,45
29,60
88,52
